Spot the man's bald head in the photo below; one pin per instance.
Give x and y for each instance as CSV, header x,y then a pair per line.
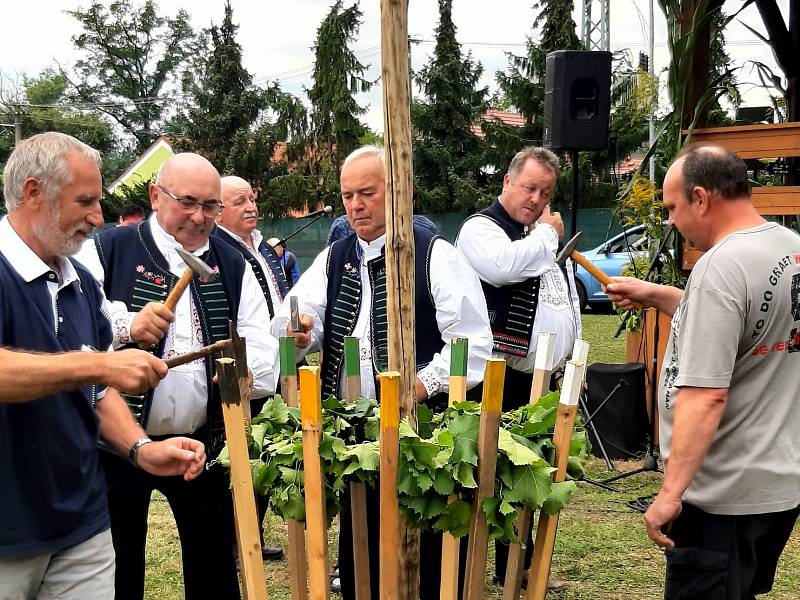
x,y
186,189
241,213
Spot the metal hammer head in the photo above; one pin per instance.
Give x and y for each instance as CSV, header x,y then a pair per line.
x,y
568,249
197,265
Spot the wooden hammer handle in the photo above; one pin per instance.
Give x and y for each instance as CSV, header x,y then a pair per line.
x,y
178,290
182,359
589,266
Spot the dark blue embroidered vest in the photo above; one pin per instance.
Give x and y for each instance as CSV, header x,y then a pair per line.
x,y
344,303
137,273
54,492
512,308
273,261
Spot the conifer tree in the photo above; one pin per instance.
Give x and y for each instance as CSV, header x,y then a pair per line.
x,y
448,154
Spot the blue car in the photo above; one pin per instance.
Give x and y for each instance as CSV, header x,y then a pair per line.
x,y
609,257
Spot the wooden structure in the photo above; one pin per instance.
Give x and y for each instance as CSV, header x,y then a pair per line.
x,y
778,140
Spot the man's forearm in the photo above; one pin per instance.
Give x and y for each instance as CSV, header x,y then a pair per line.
x,y
30,375
697,415
117,425
665,299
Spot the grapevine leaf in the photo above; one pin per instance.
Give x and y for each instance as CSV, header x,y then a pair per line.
x,y
531,485
456,521
517,453
559,496
465,475
465,439
443,482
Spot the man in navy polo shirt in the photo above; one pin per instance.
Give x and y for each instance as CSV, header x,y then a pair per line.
x,y
54,525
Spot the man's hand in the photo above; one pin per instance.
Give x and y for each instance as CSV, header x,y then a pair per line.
x,y
151,324
659,518
420,392
130,371
173,456
629,293
554,220
302,338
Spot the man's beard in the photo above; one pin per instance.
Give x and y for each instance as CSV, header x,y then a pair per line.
x,y
58,242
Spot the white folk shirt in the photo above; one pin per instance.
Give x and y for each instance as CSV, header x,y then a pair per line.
x,y
256,238
460,313
499,261
180,400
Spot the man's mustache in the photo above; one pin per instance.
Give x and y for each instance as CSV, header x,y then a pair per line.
x,y
250,214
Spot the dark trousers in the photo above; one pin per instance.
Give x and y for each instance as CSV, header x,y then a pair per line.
x,y
203,513
430,555
516,393
725,557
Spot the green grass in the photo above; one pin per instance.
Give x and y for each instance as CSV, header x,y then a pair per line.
x,y
601,548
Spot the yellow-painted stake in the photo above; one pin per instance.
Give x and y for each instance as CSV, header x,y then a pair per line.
x,y
390,509
492,401
298,583
565,421
316,522
542,370
451,546
254,581
358,491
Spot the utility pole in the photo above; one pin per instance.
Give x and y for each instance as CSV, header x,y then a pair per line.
x,y
17,125
651,69
596,30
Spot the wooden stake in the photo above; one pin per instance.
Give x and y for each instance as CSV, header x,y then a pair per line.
x,y
493,380
316,522
254,581
451,546
298,583
390,509
565,420
358,491
400,266
542,369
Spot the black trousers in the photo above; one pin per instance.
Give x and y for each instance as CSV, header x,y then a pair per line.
x,y
516,393
430,555
203,512
725,557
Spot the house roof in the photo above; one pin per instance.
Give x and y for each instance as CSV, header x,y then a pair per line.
x,y
147,164
498,116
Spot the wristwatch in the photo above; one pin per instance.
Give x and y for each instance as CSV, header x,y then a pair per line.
x,y
133,453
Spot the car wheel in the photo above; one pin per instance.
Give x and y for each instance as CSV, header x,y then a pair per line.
x,y
582,297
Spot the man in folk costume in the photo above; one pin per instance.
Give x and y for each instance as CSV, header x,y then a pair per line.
x,y
137,267
343,293
237,225
512,246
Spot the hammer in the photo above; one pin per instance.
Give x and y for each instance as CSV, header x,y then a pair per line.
x,y
195,266
569,252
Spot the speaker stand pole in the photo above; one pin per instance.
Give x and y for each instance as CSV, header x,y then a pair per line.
x,y
573,201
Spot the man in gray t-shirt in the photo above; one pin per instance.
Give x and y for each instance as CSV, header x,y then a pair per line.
x,y
729,428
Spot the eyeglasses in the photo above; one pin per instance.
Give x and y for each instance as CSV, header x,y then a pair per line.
x,y
210,209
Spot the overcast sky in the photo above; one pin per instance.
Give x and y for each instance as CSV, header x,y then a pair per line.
x,y
277,36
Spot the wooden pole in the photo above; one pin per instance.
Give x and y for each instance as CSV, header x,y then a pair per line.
x,y
254,581
390,509
316,522
298,583
358,491
475,579
400,239
451,546
542,369
562,437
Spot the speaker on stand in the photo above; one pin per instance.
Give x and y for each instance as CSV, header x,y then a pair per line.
x,y
577,99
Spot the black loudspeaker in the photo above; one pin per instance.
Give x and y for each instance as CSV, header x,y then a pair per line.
x,y
577,91
622,422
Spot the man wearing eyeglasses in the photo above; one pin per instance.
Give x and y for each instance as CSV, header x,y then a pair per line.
x,y
138,266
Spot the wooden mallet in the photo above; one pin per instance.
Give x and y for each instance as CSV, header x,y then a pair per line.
x,y
195,266
570,252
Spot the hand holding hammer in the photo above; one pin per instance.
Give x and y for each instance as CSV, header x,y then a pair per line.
x,y
152,322
569,251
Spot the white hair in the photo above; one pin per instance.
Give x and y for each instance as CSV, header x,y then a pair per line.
x,y
42,157
370,149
